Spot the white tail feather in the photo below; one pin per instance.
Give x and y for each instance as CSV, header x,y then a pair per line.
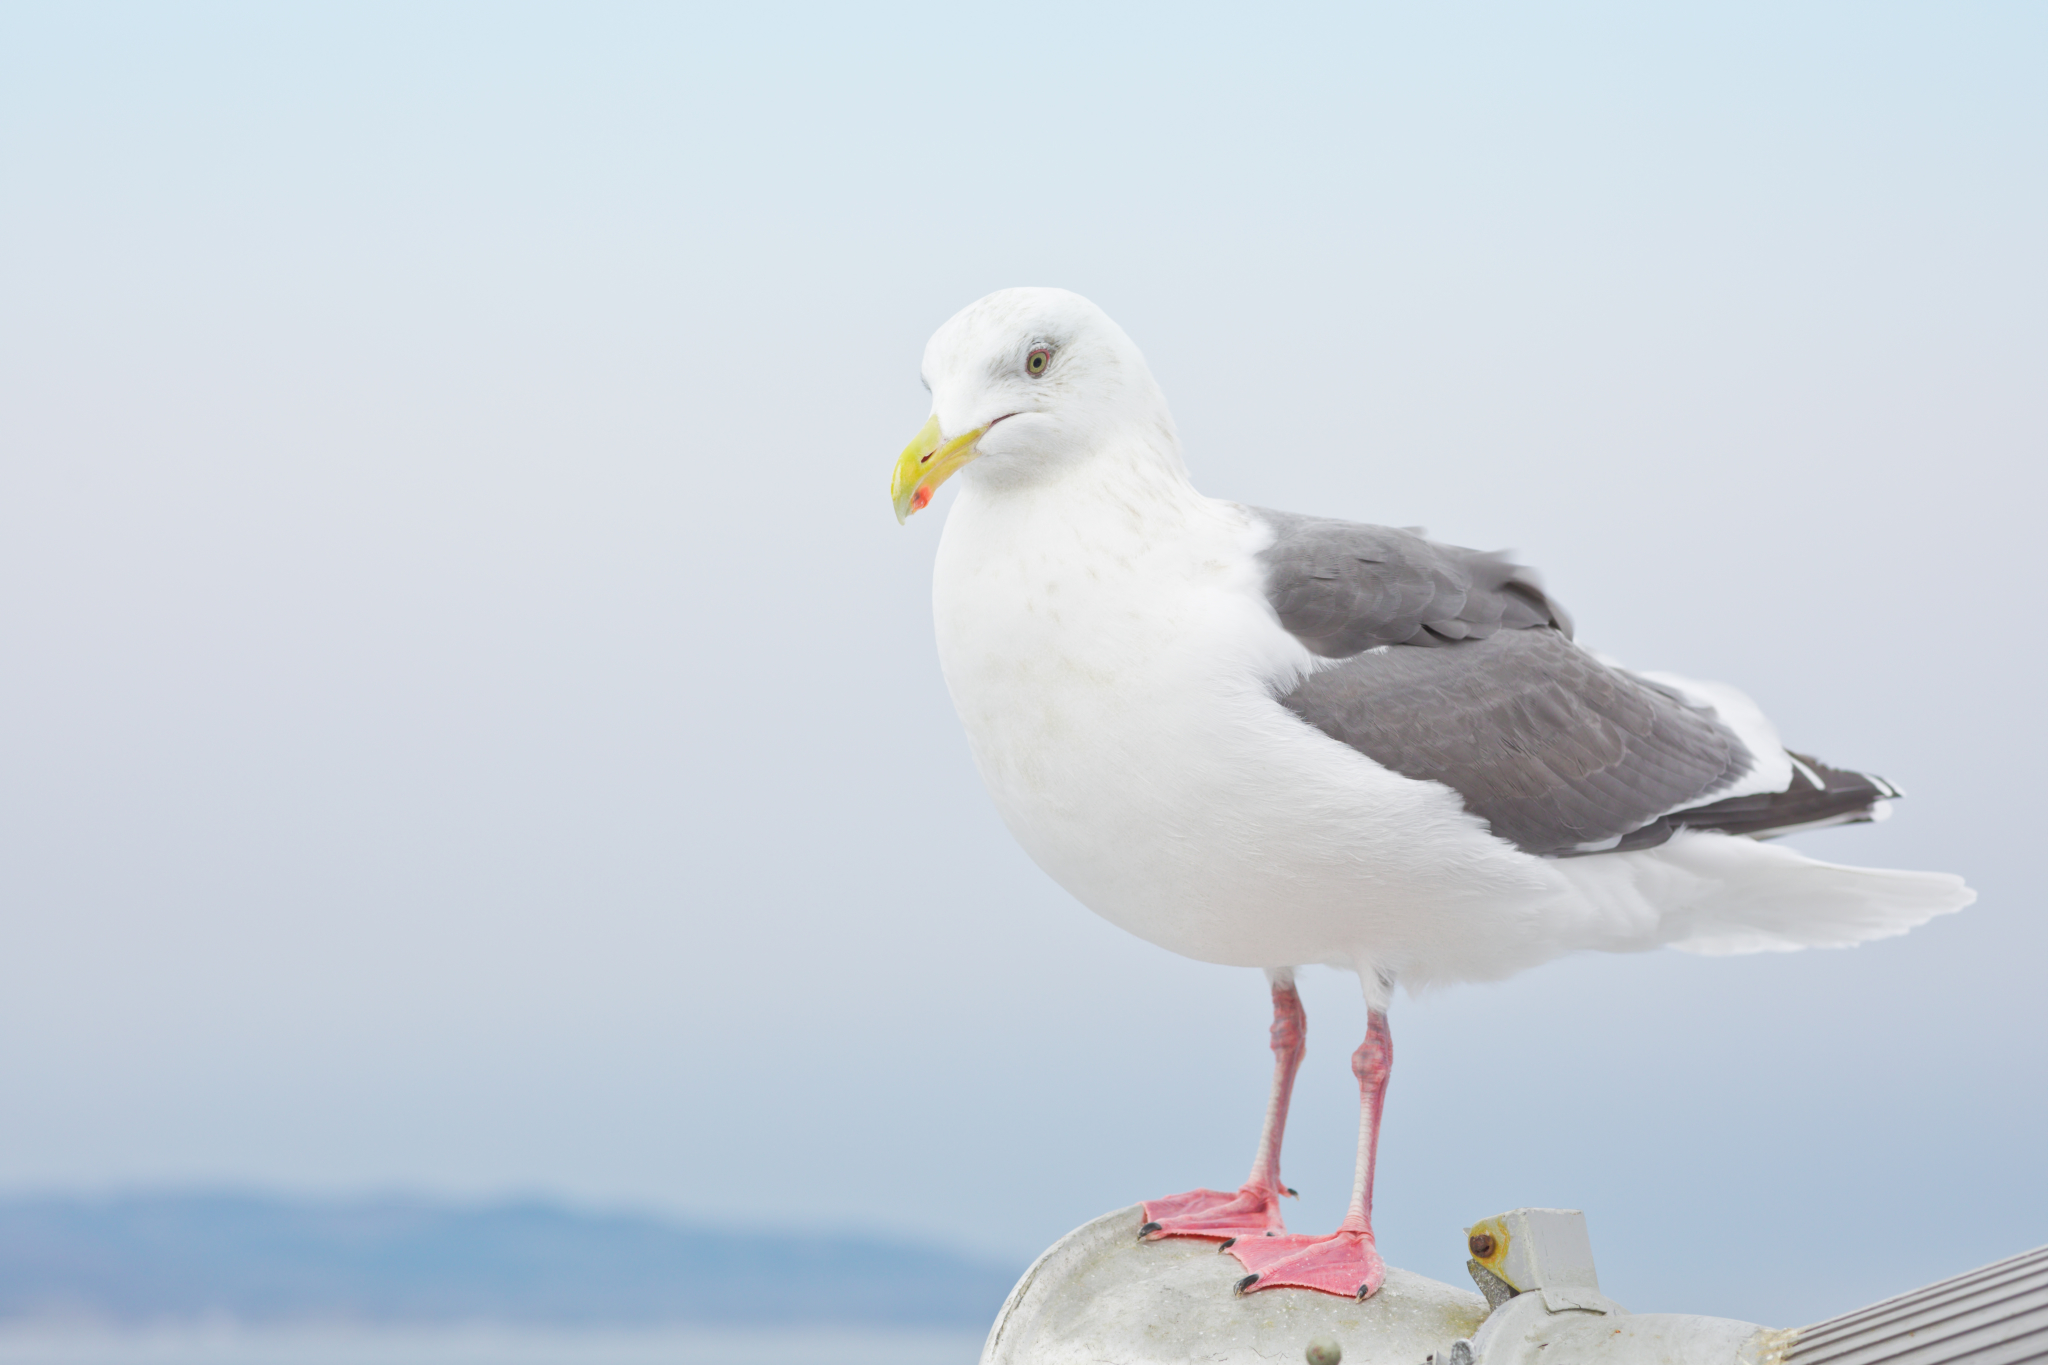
x,y
1715,893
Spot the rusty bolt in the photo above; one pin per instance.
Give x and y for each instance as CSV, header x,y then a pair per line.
x,y
1482,1245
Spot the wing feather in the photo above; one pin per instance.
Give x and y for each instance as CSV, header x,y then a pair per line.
x,y
1453,665
1485,691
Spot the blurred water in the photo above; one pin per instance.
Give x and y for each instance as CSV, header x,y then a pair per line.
x,y
228,1344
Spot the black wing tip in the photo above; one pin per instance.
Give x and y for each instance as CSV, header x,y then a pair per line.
x,y
1818,795
1843,780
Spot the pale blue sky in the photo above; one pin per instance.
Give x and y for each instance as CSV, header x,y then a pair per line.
x,y
471,722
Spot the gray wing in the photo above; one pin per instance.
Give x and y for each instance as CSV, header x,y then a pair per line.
x,y
1553,749
1457,668
1341,587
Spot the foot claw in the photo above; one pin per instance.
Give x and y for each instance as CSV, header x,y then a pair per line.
x,y
1146,1231
1294,1194
1226,1244
1246,1283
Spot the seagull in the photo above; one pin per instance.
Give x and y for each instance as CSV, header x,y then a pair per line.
x,y
1270,740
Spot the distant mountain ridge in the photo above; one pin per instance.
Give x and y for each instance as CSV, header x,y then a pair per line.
x,y
167,1257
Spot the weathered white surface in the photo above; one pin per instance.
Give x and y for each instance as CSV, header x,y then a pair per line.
x,y
1100,1297
1527,1330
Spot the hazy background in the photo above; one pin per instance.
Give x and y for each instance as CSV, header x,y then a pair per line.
x,y
469,724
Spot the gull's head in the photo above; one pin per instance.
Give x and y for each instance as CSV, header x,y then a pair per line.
x,y
1024,382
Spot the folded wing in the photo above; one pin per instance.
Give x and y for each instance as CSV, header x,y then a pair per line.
x,y
1453,665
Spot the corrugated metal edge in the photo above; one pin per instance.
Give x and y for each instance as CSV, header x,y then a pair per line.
x,y
2023,1266
1933,1314
1939,1322
1994,1315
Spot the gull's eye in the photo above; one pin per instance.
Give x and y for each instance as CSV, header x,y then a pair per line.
x,y
1038,360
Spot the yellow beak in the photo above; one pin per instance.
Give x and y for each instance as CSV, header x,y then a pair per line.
x,y
928,461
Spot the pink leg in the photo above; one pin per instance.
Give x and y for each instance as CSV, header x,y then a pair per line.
x,y
1345,1262
1254,1211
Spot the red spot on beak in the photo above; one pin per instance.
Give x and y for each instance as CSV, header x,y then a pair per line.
x,y
920,499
